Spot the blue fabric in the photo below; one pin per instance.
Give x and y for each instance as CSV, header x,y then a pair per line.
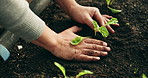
x,y
4,53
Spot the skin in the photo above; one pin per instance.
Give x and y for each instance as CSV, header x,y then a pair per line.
x,y
59,43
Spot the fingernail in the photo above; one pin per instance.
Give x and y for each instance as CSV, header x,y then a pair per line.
x,y
108,49
105,53
105,44
98,58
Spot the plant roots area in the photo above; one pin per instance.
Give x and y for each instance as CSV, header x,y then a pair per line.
x,y
127,59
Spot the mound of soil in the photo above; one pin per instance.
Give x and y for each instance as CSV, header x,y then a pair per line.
x,y
129,45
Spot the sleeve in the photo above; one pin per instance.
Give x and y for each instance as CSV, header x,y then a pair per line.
x,y
16,16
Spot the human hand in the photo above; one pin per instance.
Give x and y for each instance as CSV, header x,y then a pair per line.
x,y
84,15
88,50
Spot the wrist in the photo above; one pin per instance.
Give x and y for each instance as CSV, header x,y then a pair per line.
x,y
47,39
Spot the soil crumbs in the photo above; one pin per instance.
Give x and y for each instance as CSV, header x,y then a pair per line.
x,y
128,58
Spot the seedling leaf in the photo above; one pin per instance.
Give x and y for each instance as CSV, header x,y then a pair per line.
x,y
77,40
83,73
103,30
144,76
112,21
114,10
96,26
136,70
108,2
61,68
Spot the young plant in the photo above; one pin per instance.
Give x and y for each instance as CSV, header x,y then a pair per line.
x,y
77,40
109,2
143,75
103,30
84,72
114,10
136,70
61,68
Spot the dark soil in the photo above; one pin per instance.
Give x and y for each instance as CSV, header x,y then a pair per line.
x,y
1,30
129,46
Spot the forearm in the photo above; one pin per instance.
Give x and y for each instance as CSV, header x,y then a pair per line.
x,y
17,17
47,39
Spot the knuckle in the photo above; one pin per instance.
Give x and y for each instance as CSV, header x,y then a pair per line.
x,y
102,48
94,47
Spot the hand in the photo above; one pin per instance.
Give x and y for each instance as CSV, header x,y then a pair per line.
x,y
84,15
88,50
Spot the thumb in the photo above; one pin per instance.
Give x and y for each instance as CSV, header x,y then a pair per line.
x,y
89,21
74,29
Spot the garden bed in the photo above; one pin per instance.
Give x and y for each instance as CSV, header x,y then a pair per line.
x,y
129,45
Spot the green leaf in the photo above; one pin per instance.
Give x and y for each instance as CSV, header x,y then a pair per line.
x,y
77,40
108,2
136,70
144,76
84,72
112,21
114,10
103,30
61,68
96,26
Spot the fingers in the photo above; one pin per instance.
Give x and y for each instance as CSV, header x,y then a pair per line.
x,y
94,52
107,16
94,41
74,29
87,58
108,20
97,47
89,21
109,27
98,17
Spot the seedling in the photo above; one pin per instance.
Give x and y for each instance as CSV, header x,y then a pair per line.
x,y
84,72
143,75
114,10
77,40
103,30
109,2
127,23
61,68
136,70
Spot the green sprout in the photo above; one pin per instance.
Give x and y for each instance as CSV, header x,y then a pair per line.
x,y
114,10
77,40
127,23
136,70
112,21
109,2
143,75
84,72
103,30
96,26
61,68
